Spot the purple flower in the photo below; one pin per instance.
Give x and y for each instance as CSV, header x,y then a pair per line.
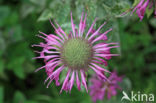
x,y
141,7
99,88
74,53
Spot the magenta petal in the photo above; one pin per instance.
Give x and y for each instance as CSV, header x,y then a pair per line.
x,y
102,36
99,73
78,81
105,62
83,25
80,25
90,29
55,73
83,79
46,57
48,64
60,29
105,55
56,37
72,24
56,30
72,80
100,45
65,83
100,68
140,3
97,31
106,48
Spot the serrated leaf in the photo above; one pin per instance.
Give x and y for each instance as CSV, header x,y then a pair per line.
x,y
46,15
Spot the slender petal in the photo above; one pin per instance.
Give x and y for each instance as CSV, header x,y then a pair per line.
x,y
65,83
90,29
102,35
104,55
99,68
80,25
48,64
99,73
72,24
61,30
78,81
140,3
103,45
83,25
72,80
56,30
55,73
96,32
83,79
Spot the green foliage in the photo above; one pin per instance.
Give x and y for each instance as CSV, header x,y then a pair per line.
x,y
4,11
44,15
1,94
19,97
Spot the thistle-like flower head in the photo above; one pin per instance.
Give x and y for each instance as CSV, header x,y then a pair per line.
x,y
100,88
141,7
75,52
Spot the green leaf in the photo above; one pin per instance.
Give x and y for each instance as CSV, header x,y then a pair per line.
x,y
153,22
4,13
12,19
16,66
149,12
46,15
18,69
26,9
30,101
39,2
1,66
42,97
28,67
2,44
1,94
19,97
136,2
126,84
17,35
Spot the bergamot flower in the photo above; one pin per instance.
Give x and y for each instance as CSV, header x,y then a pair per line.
x,y
141,7
75,52
100,88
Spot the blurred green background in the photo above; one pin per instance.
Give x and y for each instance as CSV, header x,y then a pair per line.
x,y
20,21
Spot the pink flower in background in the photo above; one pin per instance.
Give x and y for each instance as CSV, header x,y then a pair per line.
x,y
100,88
74,54
141,7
